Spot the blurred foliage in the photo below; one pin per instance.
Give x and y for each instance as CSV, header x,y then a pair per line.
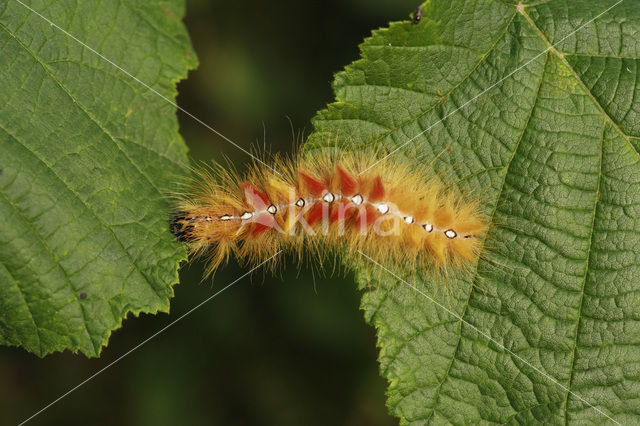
x,y
287,349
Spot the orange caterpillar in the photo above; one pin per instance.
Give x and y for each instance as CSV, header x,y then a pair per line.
x,y
324,204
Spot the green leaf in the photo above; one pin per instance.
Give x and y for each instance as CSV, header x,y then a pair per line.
x,y
552,149
87,156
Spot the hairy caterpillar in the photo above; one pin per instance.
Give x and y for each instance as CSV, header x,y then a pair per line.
x,y
330,203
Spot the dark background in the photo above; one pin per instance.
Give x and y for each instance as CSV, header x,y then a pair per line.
x,y
285,349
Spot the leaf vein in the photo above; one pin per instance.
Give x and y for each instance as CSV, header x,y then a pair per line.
x,y
584,280
492,216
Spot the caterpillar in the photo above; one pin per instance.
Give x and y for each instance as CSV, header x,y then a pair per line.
x,y
321,204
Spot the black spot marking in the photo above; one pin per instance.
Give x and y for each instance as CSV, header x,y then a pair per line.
x,y
178,228
417,16
83,296
184,237
178,217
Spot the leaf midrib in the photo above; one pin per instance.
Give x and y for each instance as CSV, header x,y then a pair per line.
x,y
80,105
482,58
584,281
626,137
93,213
114,76
561,55
492,219
98,125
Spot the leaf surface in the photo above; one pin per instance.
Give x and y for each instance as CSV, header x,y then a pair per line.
x,y
87,157
547,326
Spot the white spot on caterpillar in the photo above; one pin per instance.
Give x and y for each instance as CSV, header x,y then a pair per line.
x,y
382,208
387,193
329,197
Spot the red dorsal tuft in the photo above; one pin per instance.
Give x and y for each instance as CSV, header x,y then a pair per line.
x,y
255,198
263,222
348,184
315,214
343,210
377,191
314,185
366,217
259,229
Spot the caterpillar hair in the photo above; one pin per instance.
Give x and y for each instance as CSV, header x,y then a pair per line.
x,y
330,204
